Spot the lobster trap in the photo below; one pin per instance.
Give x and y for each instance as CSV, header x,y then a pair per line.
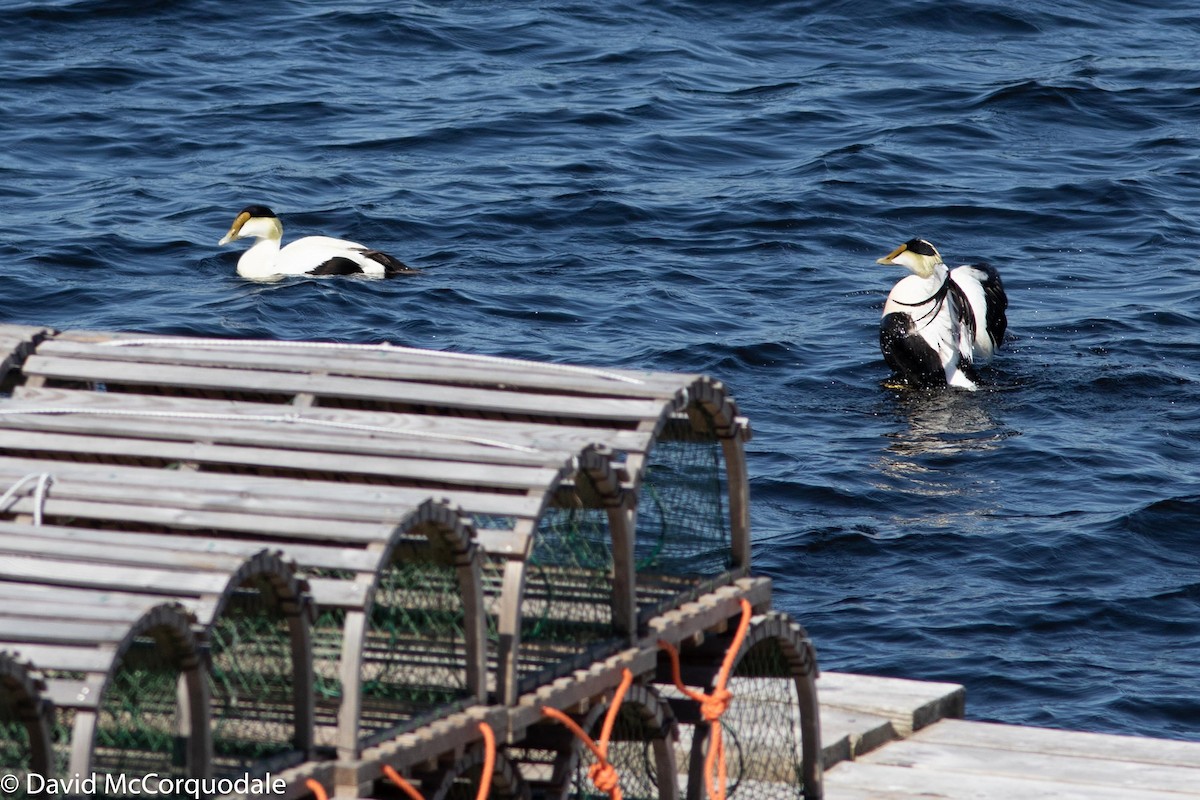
x,y
454,537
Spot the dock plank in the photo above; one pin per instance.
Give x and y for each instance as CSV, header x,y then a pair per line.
x,y
910,705
1082,768
853,780
1046,741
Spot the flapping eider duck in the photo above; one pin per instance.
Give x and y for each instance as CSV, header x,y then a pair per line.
x,y
939,323
311,255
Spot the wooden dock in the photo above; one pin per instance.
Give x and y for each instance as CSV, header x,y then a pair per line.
x,y
890,739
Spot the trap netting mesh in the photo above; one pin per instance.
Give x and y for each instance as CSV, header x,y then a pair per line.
x,y
761,729
414,652
567,611
631,750
138,728
683,533
16,746
251,682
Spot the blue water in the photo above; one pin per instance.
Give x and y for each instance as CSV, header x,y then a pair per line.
x,y
706,186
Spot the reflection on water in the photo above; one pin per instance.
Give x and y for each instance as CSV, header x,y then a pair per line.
x,y
940,429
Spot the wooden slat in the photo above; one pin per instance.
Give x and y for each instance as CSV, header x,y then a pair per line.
x,y
420,366
287,432
1051,742
307,498
981,758
910,705
24,607
71,694
487,401
119,604
541,436
331,556
124,552
153,581
75,659
338,594
35,630
424,470
257,524
858,779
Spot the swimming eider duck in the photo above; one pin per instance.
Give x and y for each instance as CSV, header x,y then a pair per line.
x,y
311,255
939,323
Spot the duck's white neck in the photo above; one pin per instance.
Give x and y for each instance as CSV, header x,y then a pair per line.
x,y
258,262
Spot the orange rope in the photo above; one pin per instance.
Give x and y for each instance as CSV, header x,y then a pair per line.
x,y
316,788
603,774
712,706
489,761
405,786
485,780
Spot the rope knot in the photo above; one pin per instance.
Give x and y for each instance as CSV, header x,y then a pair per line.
x,y
715,704
604,776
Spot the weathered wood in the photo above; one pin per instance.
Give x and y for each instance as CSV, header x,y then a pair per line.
x,y
401,393
305,498
432,471
859,779
910,705
74,659
394,363
442,431
154,581
15,630
134,416
1083,768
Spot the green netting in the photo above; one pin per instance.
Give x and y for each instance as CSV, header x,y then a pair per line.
x,y
16,753
327,632
630,751
414,656
683,533
251,681
138,728
567,608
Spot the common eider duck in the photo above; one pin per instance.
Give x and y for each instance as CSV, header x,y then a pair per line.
x,y
311,255
939,323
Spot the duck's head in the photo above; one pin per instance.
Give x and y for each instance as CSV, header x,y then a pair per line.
x,y
917,254
257,222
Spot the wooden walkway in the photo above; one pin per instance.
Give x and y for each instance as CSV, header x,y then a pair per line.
x,y
887,739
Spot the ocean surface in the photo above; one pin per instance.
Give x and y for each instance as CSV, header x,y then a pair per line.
x,y
706,186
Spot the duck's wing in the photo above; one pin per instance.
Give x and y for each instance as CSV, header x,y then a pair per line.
x,y
324,255
983,291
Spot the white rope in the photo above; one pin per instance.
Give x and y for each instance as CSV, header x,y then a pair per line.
x,y
282,418
44,479
385,347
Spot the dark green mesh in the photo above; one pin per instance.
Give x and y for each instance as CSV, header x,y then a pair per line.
x,y
16,755
327,634
253,699
414,657
138,724
683,533
567,609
